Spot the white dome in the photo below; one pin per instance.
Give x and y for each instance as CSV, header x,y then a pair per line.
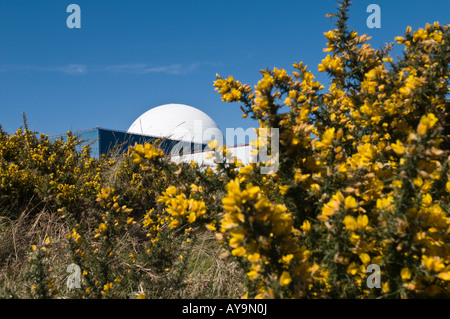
x,y
177,121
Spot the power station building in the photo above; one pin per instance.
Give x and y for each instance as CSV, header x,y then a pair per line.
x,y
183,133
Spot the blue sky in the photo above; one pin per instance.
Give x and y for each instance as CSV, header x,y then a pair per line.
x,y
130,56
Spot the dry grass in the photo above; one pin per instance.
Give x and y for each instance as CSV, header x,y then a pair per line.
x,y
202,274
16,239
211,276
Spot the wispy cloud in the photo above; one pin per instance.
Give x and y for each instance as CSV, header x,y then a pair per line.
x,y
72,69
132,68
68,69
143,68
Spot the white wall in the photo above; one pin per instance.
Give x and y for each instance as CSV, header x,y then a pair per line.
x,y
241,152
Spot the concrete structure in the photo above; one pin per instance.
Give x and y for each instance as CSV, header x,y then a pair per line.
x,y
178,122
183,130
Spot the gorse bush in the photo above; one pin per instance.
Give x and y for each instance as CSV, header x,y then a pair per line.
x,y
364,168
38,172
363,183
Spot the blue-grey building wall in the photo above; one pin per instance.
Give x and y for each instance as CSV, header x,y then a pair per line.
x,y
104,141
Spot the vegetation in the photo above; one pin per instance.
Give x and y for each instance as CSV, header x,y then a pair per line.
x,y
363,179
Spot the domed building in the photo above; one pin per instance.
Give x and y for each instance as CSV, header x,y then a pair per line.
x,y
177,122
183,131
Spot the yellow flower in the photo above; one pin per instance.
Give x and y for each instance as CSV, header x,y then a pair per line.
x,y
102,227
191,217
327,138
365,258
306,226
211,226
418,181
352,269
254,258
397,184
329,35
287,258
362,221
385,287
334,64
385,203
141,296
405,273
240,251
283,189
427,200
252,275
434,263
136,158
400,40
350,223
398,147
444,276
212,144
266,82
420,34
245,170
108,286
288,101
299,177
285,279
426,122
350,202
331,207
